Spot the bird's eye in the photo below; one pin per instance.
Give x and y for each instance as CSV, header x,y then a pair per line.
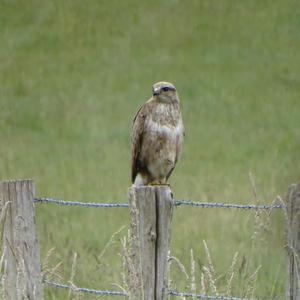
x,y
165,88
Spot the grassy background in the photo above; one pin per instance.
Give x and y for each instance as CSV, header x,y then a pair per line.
x,y
73,73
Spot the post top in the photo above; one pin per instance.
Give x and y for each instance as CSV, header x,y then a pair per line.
x,y
150,187
15,180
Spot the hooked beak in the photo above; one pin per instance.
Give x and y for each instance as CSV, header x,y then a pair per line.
x,y
155,92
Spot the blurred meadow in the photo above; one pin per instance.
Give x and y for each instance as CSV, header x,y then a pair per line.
x,y
73,74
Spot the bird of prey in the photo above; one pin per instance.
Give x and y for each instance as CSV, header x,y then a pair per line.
x,y
157,136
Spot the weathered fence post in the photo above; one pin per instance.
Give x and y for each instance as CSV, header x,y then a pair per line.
x,y
151,212
293,242
22,270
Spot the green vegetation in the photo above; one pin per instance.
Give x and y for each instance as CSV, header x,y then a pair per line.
x,y
73,73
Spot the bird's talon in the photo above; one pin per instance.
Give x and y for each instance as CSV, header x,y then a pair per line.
x,y
154,183
157,182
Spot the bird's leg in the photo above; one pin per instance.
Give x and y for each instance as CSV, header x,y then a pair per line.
x,y
164,182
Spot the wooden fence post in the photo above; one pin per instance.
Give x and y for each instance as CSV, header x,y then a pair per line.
x,y
151,213
293,243
22,269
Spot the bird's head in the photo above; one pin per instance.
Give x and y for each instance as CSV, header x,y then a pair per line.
x,y
165,92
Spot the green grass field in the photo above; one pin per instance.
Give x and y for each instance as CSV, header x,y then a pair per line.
x,y
73,73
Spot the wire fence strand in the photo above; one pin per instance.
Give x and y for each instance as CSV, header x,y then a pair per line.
x,y
117,293
176,203
78,203
227,205
201,296
84,290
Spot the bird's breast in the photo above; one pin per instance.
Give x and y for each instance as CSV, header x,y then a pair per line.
x,y
165,121
163,130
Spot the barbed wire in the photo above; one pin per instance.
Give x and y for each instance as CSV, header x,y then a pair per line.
x,y
201,296
116,293
176,203
78,203
84,290
227,205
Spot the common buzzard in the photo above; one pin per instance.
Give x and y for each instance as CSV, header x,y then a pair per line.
x,y
157,135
